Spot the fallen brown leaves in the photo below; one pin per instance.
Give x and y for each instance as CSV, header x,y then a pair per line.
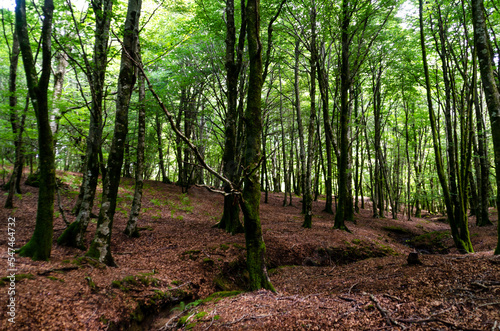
x,y
180,251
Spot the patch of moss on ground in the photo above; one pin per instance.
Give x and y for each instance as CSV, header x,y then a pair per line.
x,y
142,279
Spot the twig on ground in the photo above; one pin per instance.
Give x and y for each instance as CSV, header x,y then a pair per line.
x,y
350,288
214,313
392,297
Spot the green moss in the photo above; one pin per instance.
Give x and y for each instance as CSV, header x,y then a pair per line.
x,y
55,278
217,296
80,261
176,282
127,282
208,261
18,277
238,246
91,283
224,247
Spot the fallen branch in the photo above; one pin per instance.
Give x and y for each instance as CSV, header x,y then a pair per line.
x,y
439,320
384,312
42,273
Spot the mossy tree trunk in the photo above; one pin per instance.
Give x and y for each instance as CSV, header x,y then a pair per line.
x,y
100,246
491,89
256,249
40,244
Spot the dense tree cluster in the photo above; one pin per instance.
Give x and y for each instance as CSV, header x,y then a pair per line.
x,y
382,99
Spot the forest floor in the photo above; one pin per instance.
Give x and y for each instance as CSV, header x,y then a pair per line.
x,y
183,273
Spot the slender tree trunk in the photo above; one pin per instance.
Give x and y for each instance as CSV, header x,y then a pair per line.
x,y
40,244
17,127
283,145
491,89
256,249
59,74
307,198
161,162
323,89
345,79
302,177
131,228
100,246
230,220
482,215
461,245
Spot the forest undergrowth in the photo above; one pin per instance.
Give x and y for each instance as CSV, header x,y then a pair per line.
x,y
183,273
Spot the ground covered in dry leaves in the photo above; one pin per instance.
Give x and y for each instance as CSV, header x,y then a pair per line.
x,y
183,273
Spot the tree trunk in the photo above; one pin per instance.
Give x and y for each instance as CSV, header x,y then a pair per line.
x,y
230,220
323,89
131,228
307,197
345,79
40,244
100,246
256,249
461,245
491,89
17,127
161,162
74,234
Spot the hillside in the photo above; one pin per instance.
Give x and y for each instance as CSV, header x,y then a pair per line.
x,y
325,278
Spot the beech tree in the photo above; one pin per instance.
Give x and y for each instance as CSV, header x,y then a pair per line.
x,y
40,244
